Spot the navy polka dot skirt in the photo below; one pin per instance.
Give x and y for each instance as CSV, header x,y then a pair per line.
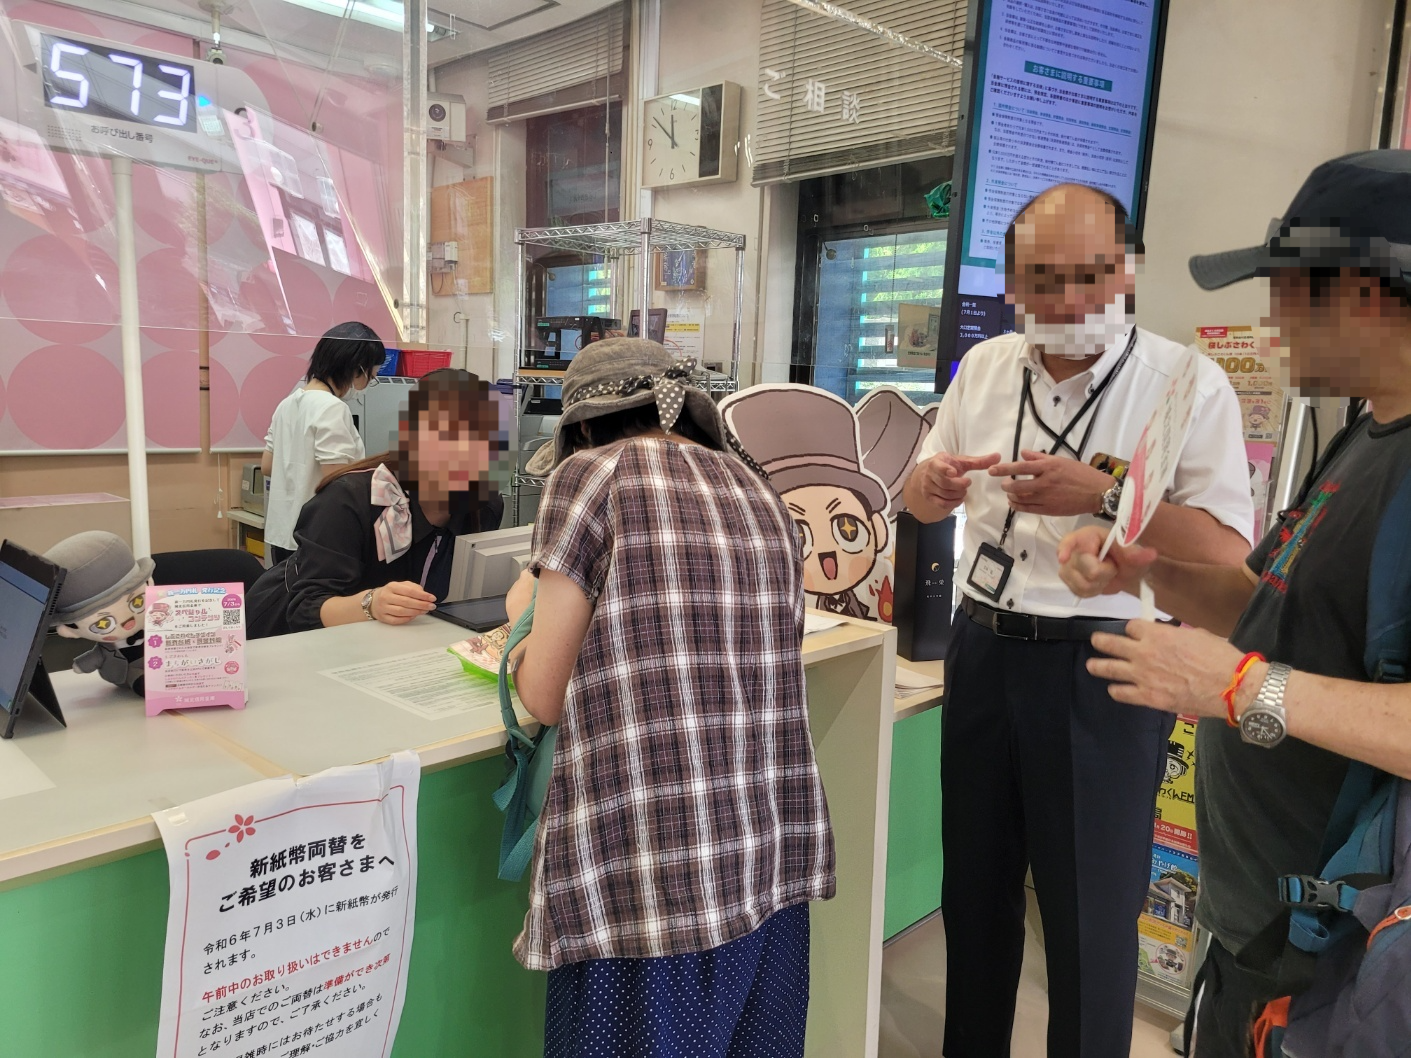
x,y
745,999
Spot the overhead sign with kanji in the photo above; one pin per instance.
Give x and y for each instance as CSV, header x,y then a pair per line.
x,y
290,925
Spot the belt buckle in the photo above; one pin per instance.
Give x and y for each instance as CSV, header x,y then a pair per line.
x,y
1001,617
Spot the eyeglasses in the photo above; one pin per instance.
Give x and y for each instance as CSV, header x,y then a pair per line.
x,y
372,378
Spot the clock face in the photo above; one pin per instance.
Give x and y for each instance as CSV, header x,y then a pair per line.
x,y
672,152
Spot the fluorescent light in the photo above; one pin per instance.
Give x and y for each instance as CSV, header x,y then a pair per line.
x,y
389,14
688,99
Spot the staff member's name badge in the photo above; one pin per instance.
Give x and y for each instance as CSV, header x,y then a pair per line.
x,y
990,572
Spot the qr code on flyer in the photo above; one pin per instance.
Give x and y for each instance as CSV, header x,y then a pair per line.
x,y
231,617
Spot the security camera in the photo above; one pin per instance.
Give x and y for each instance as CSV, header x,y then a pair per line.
x,y
216,56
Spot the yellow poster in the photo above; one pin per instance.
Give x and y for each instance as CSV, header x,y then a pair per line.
x,y
1175,801
1252,373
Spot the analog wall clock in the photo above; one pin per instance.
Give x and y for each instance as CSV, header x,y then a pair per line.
x,y
691,137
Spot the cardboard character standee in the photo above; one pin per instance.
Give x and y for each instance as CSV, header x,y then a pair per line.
x,y
841,471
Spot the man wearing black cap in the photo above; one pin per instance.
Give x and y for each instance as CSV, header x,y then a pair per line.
x,y
1273,760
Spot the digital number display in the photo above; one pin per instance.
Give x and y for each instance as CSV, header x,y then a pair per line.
x,y
112,83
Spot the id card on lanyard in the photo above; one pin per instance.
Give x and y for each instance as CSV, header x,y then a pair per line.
x,y
993,565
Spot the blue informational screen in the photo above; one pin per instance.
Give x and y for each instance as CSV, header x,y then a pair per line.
x,y
1055,92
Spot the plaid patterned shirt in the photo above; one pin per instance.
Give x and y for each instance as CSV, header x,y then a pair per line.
x,y
685,806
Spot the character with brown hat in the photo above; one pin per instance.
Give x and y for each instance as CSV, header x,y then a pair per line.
x,y
811,445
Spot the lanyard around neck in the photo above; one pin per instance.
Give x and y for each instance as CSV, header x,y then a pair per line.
x,y
1060,440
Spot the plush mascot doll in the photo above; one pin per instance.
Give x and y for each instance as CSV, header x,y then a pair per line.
x,y
103,599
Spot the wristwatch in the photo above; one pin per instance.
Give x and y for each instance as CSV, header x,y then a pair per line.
x,y
367,604
1111,500
1263,723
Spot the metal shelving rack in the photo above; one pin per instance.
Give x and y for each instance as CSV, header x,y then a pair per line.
x,y
612,242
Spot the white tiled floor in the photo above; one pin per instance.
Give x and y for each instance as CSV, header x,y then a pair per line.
x,y
913,998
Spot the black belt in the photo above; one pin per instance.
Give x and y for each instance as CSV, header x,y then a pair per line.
x,y
1011,625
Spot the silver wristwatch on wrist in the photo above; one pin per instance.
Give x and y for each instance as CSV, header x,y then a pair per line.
x,y
367,604
1264,722
1111,501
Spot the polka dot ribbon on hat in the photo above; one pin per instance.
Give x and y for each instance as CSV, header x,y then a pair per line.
x,y
667,387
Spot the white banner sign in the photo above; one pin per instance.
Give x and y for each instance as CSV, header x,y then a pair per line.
x,y
1153,466
292,904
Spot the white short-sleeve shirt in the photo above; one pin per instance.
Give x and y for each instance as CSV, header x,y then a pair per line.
x,y
310,428
978,416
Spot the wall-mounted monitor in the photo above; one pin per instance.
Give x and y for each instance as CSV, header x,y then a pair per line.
x,y
1052,92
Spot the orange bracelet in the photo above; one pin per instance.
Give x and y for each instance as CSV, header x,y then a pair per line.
x,y
1246,663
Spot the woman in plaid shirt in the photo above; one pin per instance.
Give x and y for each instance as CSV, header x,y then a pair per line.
x,y
685,827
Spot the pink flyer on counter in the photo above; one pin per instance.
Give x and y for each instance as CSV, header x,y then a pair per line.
x,y
195,646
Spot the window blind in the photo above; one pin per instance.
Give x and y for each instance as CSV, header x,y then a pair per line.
x,y
561,69
833,96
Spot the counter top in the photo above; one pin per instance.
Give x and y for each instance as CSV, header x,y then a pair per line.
x,y
113,766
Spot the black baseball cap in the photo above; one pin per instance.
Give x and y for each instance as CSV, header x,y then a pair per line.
x,y
1352,212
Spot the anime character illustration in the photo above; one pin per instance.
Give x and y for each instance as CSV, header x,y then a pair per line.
x,y
159,614
840,472
232,643
1257,419
103,600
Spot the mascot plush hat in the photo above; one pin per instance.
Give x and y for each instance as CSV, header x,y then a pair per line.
x,y
101,571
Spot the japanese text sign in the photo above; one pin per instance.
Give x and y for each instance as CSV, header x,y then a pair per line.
x,y
291,918
195,652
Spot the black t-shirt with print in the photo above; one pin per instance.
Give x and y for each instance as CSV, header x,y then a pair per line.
x,y
1261,813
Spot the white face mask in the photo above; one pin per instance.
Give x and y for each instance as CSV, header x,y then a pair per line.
x,y
1077,341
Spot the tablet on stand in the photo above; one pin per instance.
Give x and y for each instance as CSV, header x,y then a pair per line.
x,y
29,590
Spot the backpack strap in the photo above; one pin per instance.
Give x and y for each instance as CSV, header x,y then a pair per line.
x,y
517,840
1389,592
1359,828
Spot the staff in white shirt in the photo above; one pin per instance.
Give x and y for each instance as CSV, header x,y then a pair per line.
x,y
1040,769
312,432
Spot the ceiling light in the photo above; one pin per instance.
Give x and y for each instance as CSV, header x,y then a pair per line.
x,y
389,14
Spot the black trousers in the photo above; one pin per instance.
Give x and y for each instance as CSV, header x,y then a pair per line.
x,y
1230,998
1041,769
277,555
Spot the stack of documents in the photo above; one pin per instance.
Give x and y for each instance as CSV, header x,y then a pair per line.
x,y
911,682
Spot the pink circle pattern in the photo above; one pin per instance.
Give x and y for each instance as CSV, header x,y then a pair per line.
x,y
171,397
85,384
268,383
57,293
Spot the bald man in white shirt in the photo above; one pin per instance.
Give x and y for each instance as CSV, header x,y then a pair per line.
x,y
1040,768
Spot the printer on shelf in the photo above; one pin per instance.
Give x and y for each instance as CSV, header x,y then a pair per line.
x,y
252,488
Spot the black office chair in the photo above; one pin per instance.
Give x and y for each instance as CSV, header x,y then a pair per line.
x,y
215,566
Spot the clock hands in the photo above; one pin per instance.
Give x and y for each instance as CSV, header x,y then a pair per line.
x,y
671,132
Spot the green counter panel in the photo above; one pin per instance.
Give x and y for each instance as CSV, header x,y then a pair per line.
x,y
81,961
914,861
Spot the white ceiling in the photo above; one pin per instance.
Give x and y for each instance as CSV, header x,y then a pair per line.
x,y
480,24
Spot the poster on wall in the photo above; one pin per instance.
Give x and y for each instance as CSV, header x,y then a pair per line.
x,y
685,335
1175,800
1166,928
291,915
1251,372
918,332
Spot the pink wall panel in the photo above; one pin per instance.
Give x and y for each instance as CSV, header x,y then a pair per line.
x,y
60,352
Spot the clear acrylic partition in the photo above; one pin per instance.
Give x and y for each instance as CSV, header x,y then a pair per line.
x,y
266,206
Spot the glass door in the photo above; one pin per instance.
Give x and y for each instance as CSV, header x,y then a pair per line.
x,y
877,296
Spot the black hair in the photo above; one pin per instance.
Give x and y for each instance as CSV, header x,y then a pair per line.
x,y
1124,228
345,351
632,422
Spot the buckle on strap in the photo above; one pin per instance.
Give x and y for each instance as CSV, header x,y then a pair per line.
x,y
1015,625
1305,891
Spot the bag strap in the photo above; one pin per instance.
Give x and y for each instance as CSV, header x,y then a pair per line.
x,y
518,633
516,840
